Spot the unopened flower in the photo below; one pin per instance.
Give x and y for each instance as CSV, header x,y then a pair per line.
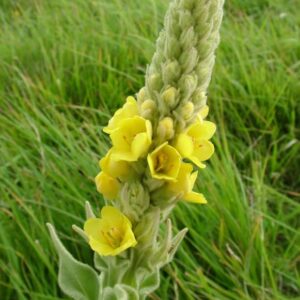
x,y
203,113
147,108
107,185
164,162
185,183
117,169
169,96
165,129
111,234
132,139
128,110
194,144
187,110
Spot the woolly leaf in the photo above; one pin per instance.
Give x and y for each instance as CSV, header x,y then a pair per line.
x,y
150,283
119,292
77,280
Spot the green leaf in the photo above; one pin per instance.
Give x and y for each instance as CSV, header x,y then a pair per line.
x,y
77,280
101,263
120,292
150,283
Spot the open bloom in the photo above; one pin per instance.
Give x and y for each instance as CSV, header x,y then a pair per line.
x,y
132,139
164,162
185,183
194,143
107,185
117,169
110,234
128,110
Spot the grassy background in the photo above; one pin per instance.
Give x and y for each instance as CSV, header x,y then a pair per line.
x,y
65,66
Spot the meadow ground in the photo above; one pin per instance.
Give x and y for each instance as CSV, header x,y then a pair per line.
x,y
65,66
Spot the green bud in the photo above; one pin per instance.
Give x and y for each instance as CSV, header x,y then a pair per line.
x,y
165,129
155,82
169,97
171,72
172,48
188,84
134,200
185,19
190,61
141,95
187,110
147,108
147,229
199,99
187,38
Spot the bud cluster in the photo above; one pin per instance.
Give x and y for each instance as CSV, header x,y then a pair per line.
x,y
180,71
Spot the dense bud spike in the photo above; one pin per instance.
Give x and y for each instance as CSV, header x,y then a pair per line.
x,y
184,56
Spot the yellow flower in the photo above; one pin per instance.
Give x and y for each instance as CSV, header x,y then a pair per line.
x,y
164,162
111,234
185,184
131,140
129,109
107,185
194,144
117,169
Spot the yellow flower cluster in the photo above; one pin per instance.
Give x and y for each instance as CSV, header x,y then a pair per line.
x,y
132,139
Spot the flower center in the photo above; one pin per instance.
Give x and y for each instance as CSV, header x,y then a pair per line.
x,y
113,237
161,162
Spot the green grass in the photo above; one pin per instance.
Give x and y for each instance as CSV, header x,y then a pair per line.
x,y
67,65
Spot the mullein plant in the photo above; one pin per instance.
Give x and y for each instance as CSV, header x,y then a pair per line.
x,y
159,139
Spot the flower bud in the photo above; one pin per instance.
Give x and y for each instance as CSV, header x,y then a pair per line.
x,y
188,84
199,98
203,112
154,82
135,200
171,72
141,95
169,97
165,129
147,108
187,110
148,105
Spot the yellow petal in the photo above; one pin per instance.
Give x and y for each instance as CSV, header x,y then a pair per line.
x,y
203,113
113,216
140,145
116,169
103,249
192,180
121,140
184,144
203,150
195,198
128,110
107,185
182,183
149,129
204,130
126,156
197,162
92,226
